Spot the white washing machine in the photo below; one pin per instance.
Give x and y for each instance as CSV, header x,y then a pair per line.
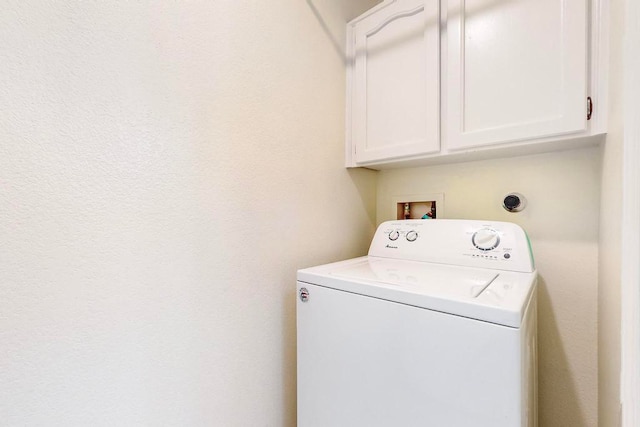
x,y
435,327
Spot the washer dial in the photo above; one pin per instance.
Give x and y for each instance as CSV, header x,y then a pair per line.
x,y
485,239
394,235
412,235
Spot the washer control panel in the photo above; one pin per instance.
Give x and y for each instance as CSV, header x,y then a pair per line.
x,y
485,244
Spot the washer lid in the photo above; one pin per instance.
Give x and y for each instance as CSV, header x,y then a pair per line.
x,y
494,296
436,280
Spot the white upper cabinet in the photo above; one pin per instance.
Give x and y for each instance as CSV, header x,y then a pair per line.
x,y
516,70
395,60
437,81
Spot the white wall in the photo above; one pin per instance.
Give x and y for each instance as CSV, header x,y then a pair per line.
x,y
164,170
611,234
562,217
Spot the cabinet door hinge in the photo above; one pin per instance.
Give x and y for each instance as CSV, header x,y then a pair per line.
x,y
589,107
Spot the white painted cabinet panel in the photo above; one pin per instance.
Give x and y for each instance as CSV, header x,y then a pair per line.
x,y
395,105
516,70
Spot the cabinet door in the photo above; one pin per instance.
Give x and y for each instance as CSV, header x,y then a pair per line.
x,y
517,70
395,102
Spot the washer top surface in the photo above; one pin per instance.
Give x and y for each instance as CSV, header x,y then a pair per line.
x,y
437,280
460,268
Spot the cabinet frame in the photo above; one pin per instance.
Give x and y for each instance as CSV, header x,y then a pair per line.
x,y
597,90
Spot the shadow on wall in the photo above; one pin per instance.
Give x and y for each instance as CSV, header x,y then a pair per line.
x,y
335,41
552,359
333,15
365,181
289,360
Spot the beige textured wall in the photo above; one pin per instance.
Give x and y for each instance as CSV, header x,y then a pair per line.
x,y
165,167
562,218
611,234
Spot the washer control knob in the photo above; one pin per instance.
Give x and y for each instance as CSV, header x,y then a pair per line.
x,y
394,235
485,239
412,235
